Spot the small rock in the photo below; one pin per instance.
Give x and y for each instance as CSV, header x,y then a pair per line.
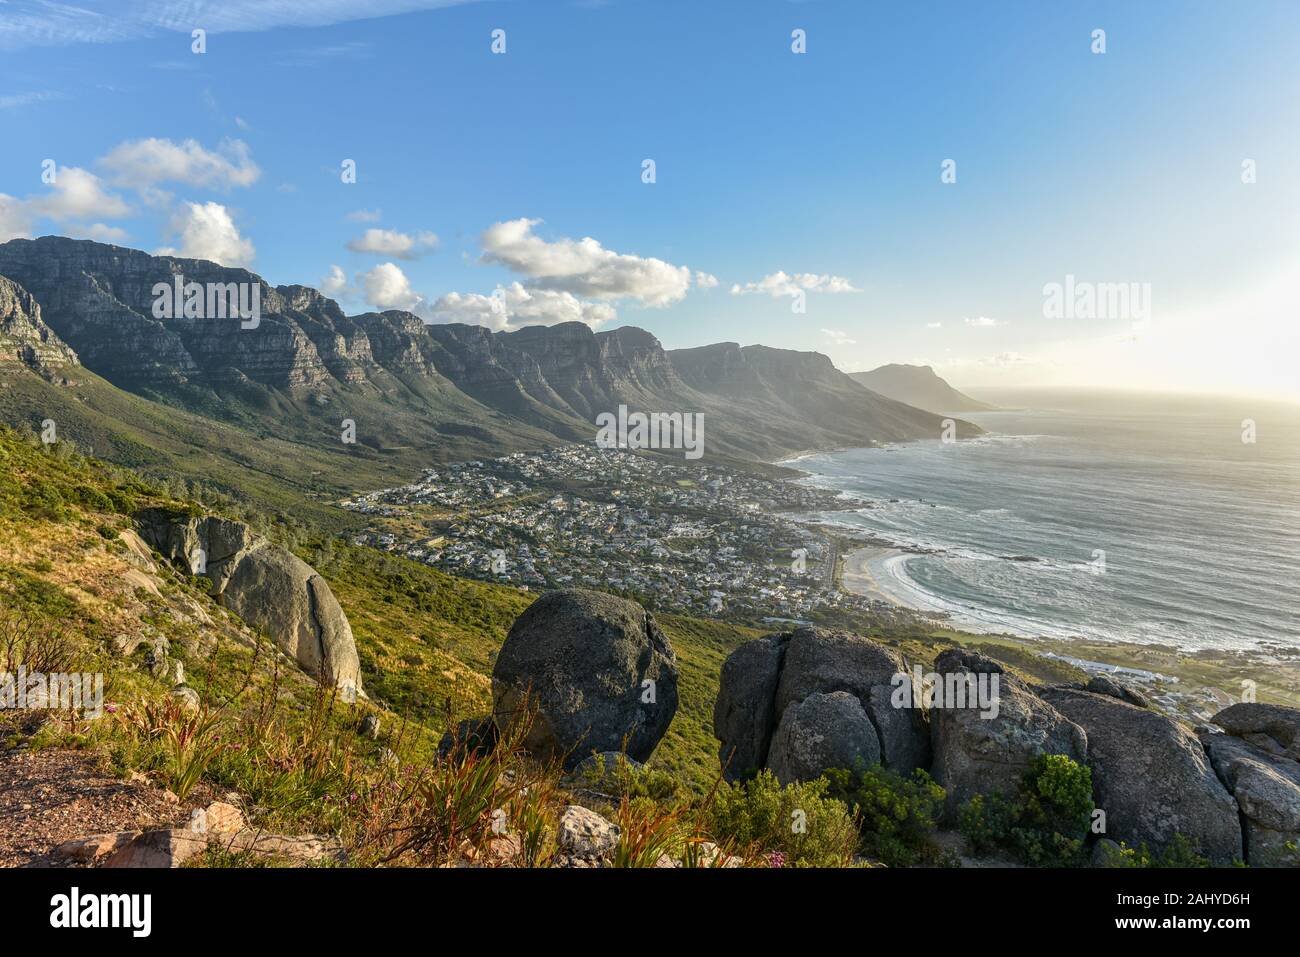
x,y
369,727
188,697
88,850
585,834
223,818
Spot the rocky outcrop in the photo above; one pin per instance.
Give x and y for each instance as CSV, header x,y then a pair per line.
x,y
822,661
265,585
24,336
219,825
1256,760
989,751
761,719
1271,727
1151,777
1105,684
596,669
822,731
744,713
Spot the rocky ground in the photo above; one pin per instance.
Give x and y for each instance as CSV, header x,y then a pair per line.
x,y
55,796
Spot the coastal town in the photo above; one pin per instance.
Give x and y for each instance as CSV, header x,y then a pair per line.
x,y
708,540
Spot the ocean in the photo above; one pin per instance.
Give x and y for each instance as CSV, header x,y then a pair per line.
x,y
1130,518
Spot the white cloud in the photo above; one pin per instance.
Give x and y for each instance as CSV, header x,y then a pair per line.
x,y
98,232
387,287
74,197
335,284
77,194
583,267
934,325
15,219
983,322
364,216
144,164
13,101
207,231
839,337
706,280
509,307
390,242
786,284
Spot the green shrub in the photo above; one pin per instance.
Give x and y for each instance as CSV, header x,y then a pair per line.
x,y
896,815
621,778
797,825
1178,853
1045,825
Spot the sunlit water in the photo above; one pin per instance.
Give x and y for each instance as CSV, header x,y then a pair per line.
x,y
1199,531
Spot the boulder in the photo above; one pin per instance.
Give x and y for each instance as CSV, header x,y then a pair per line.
x,y
164,848
1105,684
585,834
744,713
599,673
188,697
220,823
267,586
96,847
1271,727
977,752
763,679
820,660
1264,780
1151,777
821,732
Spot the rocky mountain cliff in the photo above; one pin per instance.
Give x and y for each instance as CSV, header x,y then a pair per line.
x,y
24,336
443,390
918,386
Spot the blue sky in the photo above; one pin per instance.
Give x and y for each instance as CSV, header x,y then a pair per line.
x,y
776,172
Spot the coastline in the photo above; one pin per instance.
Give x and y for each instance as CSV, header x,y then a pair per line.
x,y
861,574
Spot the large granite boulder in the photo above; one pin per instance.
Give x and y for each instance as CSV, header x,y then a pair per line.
x,y
1256,763
1151,777
821,732
267,586
1272,727
988,750
744,713
819,660
764,682
599,673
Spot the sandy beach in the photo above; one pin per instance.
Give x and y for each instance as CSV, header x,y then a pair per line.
x,y
861,572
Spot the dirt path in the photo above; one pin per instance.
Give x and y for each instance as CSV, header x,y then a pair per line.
x,y
51,796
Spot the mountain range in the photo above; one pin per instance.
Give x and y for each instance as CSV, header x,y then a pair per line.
x,y
918,386
77,320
